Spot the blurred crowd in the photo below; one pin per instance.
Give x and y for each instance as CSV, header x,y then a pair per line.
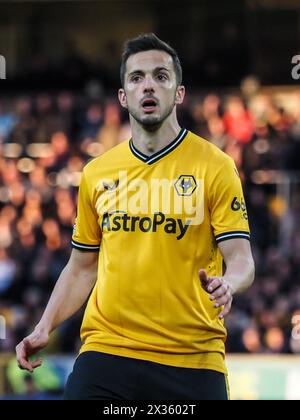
x,y
45,140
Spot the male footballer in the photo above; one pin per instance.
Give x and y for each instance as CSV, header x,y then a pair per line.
x,y
157,217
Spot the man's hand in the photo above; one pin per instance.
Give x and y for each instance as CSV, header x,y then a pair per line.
x,y
219,290
30,346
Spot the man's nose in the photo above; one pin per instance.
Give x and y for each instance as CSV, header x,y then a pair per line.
x,y
148,84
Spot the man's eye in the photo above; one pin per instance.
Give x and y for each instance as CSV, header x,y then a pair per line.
x,y
135,78
162,77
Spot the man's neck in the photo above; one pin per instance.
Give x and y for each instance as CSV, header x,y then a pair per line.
x,y
150,142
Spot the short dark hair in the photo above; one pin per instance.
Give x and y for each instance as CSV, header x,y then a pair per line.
x,y
148,42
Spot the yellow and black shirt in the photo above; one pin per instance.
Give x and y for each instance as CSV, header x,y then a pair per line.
x,y
155,221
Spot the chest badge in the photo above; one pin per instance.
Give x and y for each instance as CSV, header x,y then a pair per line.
x,y
185,185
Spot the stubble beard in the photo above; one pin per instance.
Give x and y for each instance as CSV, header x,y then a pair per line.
x,y
152,123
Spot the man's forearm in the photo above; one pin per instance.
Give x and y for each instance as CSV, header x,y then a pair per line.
x,y
70,293
239,274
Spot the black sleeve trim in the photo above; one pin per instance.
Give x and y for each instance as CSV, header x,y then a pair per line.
x,y
85,247
232,235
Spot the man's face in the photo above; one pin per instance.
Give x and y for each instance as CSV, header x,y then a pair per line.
x,y
150,88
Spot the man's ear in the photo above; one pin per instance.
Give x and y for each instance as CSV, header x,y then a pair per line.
x,y
180,93
122,98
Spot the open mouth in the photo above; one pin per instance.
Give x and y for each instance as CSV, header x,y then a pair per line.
x,y
149,105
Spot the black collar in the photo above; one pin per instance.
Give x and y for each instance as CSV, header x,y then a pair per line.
x,y
161,153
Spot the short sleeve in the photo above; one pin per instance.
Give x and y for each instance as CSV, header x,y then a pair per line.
x,y
229,218
86,233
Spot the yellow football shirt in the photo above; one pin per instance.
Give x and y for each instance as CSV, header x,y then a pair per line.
x,y
155,221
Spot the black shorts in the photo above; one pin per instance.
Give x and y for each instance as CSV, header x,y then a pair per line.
x,y
100,376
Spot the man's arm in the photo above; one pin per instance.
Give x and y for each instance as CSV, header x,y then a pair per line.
x,y
71,291
238,277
